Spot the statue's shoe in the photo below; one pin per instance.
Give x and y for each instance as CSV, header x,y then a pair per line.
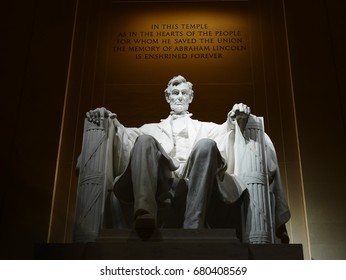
x,y
145,225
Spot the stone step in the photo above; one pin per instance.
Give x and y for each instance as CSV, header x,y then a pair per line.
x,y
171,235
169,244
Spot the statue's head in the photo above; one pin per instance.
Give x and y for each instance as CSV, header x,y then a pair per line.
x,y
179,94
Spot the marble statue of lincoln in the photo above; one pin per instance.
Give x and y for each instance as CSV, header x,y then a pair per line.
x,y
202,154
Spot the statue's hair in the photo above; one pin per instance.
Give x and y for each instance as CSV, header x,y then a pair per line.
x,y
177,80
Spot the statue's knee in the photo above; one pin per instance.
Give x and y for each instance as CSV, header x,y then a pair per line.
x,y
206,146
144,141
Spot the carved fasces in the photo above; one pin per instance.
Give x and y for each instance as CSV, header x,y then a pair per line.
x,y
91,183
258,219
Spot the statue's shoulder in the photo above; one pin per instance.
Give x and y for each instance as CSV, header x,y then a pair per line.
x,y
150,128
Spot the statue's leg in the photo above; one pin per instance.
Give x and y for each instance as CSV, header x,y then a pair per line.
x,y
145,162
202,166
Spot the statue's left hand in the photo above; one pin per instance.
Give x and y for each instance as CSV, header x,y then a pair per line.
x,y
99,114
240,112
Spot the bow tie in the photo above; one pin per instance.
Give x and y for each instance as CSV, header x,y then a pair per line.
x,y
176,116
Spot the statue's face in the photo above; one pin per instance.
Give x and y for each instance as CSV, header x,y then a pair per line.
x,y
180,98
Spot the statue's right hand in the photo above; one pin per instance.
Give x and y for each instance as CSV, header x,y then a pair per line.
x,y
98,114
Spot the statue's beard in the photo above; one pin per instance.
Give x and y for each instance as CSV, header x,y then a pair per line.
x,y
178,109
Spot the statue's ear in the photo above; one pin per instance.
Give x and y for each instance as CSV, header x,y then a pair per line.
x,y
167,97
191,97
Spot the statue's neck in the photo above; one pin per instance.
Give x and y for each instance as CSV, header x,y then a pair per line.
x,y
180,114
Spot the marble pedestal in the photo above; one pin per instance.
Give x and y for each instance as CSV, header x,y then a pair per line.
x,y
169,244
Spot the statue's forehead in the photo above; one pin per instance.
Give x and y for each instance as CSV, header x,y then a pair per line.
x,y
181,86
